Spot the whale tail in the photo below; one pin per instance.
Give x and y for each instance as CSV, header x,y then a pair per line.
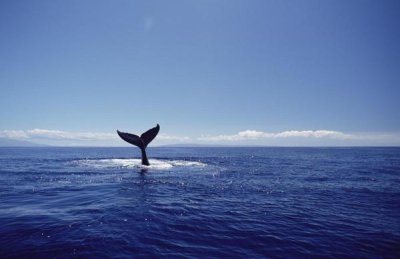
x,y
142,141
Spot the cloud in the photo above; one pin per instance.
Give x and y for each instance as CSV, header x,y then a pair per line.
x,y
55,135
256,135
243,135
314,134
13,134
286,138
65,135
164,137
77,138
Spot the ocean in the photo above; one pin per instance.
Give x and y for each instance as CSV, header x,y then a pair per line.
x,y
202,202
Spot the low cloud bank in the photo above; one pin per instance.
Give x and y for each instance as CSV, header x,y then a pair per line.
x,y
254,135
307,137
251,137
55,135
59,137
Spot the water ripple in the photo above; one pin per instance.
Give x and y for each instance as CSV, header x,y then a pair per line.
x,y
202,202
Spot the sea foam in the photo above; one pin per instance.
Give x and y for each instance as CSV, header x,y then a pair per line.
x,y
156,164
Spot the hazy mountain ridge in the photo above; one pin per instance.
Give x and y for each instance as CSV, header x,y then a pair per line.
x,y
5,142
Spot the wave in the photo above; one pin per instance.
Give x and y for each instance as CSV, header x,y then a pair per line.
x,y
156,164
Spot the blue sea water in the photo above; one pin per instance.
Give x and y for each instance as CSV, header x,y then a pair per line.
x,y
200,202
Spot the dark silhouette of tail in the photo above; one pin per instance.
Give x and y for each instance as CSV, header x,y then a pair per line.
x,y
142,141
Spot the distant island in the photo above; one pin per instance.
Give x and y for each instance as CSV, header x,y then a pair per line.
x,y
5,142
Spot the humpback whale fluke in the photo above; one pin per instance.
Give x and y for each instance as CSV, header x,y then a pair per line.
x,y
142,141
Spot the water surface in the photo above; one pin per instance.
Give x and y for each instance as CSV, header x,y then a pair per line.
x,y
219,202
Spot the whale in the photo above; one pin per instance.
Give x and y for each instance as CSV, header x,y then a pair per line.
x,y
142,141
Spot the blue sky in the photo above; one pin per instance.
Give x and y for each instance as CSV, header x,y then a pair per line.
x,y
208,71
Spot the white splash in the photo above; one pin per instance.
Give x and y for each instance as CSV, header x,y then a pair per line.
x,y
156,164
